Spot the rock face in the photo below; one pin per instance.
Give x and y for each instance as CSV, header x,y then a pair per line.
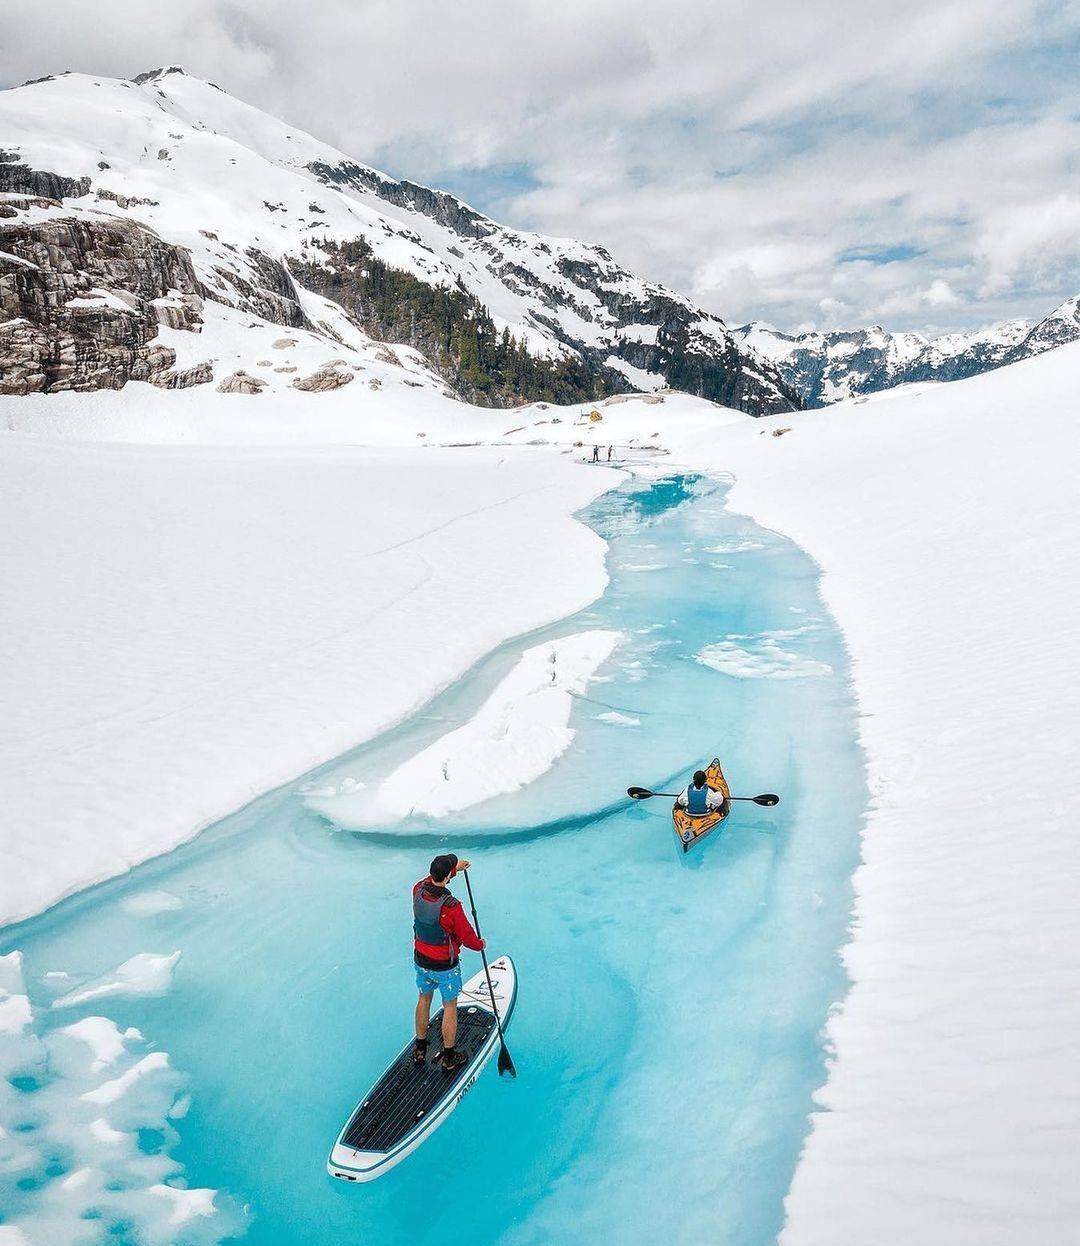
x,y
20,179
329,376
79,304
272,294
241,383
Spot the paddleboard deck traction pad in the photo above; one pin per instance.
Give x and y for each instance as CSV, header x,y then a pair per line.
x,y
412,1099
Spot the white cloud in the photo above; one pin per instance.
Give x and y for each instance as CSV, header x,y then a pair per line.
x,y
878,159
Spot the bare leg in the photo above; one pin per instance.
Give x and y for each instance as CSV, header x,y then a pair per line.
x,y
449,1023
423,1014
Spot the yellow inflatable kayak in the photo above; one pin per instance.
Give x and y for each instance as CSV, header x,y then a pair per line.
x,y
691,828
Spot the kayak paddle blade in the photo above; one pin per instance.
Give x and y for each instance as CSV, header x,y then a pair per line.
x,y
638,793
768,799
506,1065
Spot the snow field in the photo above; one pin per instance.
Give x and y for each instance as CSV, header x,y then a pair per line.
x,y
190,627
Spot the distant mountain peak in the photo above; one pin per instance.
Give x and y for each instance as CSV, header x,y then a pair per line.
x,y
163,71
827,366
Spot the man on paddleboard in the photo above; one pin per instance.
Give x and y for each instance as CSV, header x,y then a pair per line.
x,y
697,797
440,930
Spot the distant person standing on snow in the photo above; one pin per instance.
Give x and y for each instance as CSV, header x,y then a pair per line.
x,y
610,449
596,454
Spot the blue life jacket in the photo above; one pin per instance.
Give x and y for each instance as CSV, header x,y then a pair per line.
x,y
697,799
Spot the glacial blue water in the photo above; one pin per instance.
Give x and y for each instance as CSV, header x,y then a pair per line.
x,y
667,1035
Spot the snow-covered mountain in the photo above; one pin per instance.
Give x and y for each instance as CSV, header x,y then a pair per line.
x,y
827,367
135,214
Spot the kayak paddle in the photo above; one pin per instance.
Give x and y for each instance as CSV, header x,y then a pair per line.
x,y
506,1065
768,799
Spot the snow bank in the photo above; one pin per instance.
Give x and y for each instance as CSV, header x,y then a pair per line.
x,y
946,522
189,627
517,735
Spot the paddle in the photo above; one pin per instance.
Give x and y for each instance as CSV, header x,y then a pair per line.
x,y
768,799
506,1065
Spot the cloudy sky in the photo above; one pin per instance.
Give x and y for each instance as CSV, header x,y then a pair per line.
x,y
801,161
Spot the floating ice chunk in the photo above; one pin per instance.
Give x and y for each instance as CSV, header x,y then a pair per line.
x,y
620,720
516,735
111,1091
104,1132
148,973
150,903
102,1037
14,1004
644,566
77,1180
11,979
90,1109
761,657
186,1204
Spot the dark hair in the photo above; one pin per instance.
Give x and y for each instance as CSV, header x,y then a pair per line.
x,y
442,867
700,778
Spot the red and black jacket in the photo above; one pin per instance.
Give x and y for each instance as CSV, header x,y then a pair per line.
x,y
440,927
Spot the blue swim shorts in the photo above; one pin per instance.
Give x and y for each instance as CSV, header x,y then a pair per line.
x,y
446,981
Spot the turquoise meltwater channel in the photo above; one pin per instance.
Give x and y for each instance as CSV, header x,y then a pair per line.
x,y
668,1026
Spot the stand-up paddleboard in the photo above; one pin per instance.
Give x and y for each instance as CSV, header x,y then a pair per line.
x,y
410,1101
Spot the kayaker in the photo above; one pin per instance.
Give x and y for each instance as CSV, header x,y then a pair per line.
x,y
440,930
698,798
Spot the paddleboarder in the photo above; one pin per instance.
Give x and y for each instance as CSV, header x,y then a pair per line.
x,y
440,930
697,797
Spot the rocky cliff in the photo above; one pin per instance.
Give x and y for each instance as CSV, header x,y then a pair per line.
x,y
81,300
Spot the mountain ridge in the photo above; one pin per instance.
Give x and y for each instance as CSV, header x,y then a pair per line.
x,y
827,366
256,202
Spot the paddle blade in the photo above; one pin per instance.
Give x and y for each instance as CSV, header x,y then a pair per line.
x,y
639,793
506,1065
767,799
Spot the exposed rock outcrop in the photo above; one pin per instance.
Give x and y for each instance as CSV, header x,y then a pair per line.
x,y
78,303
241,383
199,374
269,292
329,376
20,179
